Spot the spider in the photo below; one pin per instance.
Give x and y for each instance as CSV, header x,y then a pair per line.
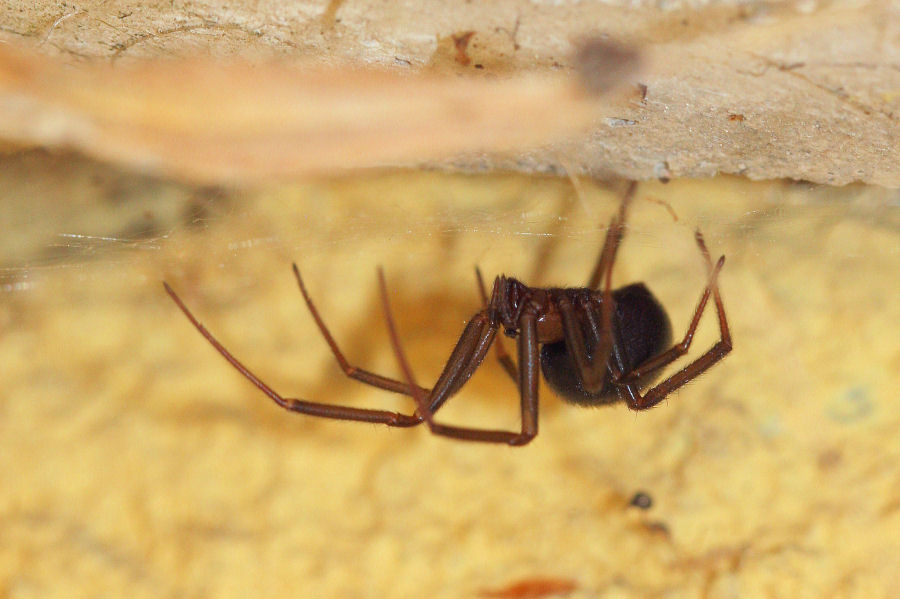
x,y
594,345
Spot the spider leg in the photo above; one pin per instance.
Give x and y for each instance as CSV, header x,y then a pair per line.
x,y
502,356
679,349
627,381
299,405
592,369
614,235
528,379
465,359
363,376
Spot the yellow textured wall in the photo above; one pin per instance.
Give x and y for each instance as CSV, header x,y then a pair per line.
x,y
137,463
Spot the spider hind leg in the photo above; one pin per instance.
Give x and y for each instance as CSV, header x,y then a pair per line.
x,y
627,380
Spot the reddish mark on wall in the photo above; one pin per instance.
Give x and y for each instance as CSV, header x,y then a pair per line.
x,y
532,588
461,41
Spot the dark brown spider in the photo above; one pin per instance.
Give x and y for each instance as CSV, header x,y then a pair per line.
x,y
595,346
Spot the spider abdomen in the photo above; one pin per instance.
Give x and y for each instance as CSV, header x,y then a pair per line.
x,y
641,330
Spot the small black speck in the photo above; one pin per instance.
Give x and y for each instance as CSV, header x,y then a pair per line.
x,y
642,500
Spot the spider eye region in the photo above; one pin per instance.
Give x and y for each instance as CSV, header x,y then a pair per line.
x,y
511,333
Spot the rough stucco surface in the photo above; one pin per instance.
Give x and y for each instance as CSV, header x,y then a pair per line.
x,y
803,90
137,463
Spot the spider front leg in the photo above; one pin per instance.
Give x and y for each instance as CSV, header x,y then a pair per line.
x,y
626,380
301,406
466,357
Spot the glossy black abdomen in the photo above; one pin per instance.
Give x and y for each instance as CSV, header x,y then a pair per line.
x,y
641,330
